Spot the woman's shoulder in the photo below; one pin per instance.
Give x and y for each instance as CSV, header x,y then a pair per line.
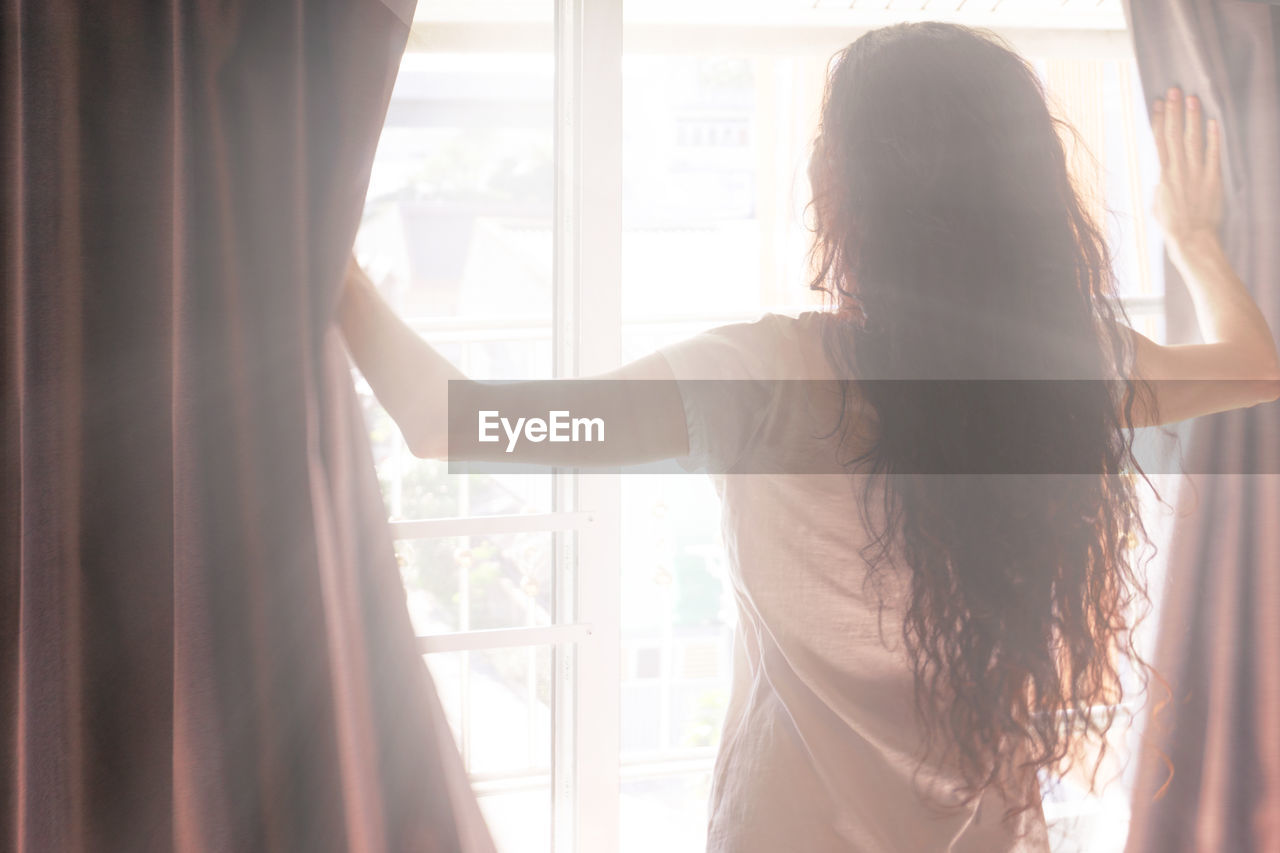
x,y
805,324
810,319
805,335
773,346
791,345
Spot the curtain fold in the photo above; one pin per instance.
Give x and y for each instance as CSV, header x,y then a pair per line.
x,y
203,638
1219,633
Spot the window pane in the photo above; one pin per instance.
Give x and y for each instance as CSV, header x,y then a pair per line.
x,y
456,233
664,812
715,158
519,820
1118,171
458,215
677,618
498,702
423,488
1080,822
470,583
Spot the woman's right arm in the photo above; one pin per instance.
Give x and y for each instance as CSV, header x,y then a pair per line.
x,y
1237,365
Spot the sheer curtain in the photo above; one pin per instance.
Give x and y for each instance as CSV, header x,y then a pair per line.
x,y
203,639
1219,630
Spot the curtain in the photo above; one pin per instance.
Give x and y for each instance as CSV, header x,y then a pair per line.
x,y
1218,640
203,638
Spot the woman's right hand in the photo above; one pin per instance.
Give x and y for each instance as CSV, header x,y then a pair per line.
x,y
1189,199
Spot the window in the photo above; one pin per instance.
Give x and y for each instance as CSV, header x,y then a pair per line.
x,y
536,214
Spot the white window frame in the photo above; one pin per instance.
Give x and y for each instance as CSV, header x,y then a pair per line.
x,y
584,634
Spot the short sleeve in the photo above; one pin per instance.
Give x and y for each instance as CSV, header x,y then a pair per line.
x,y
725,380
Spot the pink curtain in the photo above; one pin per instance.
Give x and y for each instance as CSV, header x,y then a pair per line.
x,y
203,638
1219,630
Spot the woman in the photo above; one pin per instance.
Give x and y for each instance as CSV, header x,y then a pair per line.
x,y
913,649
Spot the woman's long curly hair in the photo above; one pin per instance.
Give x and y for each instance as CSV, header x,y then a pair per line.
x,y
955,246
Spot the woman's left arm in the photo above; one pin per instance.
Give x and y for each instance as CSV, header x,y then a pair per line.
x,y
644,422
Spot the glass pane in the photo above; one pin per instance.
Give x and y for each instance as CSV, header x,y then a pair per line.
x,y
470,583
519,820
422,488
664,812
715,156
457,222
488,11
1103,101
677,618
1090,825
1080,822
456,233
498,702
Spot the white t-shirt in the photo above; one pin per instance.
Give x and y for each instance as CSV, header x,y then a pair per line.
x,y
820,748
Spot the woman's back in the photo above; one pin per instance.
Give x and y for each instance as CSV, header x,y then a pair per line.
x,y
821,747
